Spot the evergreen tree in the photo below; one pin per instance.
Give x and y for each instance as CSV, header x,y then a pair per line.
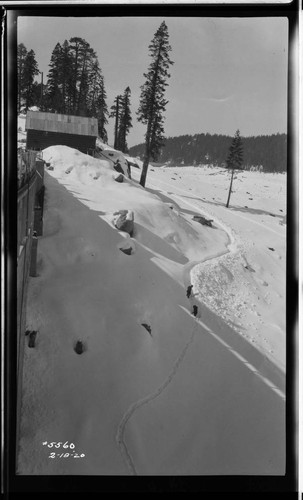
x,y
65,76
30,71
125,120
234,159
83,57
76,84
116,113
54,97
101,108
21,56
27,70
152,102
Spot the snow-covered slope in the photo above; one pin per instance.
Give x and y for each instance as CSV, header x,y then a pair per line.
x,y
193,395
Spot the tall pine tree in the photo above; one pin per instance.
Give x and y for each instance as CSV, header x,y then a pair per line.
x,y
101,112
27,70
125,120
54,97
116,113
30,71
234,160
21,55
152,102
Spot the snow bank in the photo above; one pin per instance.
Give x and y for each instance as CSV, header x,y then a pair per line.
x,y
188,396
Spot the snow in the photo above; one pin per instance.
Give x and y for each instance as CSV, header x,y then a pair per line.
x,y
201,395
21,137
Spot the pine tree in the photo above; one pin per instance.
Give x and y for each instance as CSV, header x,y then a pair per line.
x,y
21,56
102,111
97,106
125,120
54,97
234,159
27,70
82,58
152,102
65,76
30,71
116,113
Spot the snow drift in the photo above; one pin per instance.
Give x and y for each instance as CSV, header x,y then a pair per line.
x,y
186,396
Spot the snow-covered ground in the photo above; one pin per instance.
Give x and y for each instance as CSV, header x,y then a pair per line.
x,y
201,395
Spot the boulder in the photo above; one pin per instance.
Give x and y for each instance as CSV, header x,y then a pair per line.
x,y
147,327
127,251
125,221
79,347
119,178
31,338
202,220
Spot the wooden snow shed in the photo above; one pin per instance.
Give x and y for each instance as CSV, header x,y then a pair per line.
x,y
52,129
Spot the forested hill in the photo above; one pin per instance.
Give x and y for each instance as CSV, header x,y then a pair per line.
x,y
267,151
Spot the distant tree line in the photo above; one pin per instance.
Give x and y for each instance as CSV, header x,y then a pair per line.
x,y
266,152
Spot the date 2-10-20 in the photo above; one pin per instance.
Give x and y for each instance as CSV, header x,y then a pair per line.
x,y
66,455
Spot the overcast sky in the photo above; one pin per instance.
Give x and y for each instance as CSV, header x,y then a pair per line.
x,y
228,73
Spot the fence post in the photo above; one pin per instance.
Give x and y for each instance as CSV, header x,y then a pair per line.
x,y
33,263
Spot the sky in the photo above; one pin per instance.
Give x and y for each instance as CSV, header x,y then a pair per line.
x,y
228,73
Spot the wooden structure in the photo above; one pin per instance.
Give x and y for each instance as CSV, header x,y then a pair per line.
x,y
52,129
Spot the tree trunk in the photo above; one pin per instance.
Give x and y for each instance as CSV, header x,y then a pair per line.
x,y
230,188
144,169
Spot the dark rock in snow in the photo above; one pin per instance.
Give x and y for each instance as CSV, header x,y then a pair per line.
x,y
119,178
118,167
272,249
202,220
152,170
272,215
79,347
281,210
147,327
31,337
250,198
249,268
173,179
125,221
127,251
195,310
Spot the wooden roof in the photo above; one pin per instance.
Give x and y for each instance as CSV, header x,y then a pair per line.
x,y
65,124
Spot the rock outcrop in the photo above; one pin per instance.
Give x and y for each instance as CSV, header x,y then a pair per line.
x,y
124,221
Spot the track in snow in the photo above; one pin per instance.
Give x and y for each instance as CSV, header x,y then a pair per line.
x,y
135,406
231,247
